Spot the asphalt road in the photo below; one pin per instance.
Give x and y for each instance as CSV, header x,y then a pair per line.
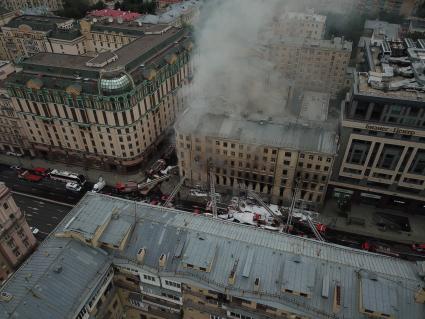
x,y
45,188
41,214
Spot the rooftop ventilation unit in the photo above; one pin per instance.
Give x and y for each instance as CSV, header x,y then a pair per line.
x,y
337,298
257,284
420,295
5,296
57,269
232,274
162,260
141,255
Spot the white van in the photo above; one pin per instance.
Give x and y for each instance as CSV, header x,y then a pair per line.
x,y
73,186
99,185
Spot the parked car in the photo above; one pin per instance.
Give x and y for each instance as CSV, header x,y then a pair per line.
x,y
34,230
72,186
14,154
30,177
41,171
420,248
99,185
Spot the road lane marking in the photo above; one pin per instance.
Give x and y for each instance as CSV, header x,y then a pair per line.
x,y
43,199
54,217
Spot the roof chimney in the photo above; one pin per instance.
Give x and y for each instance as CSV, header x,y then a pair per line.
x,y
162,260
257,284
420,295
232,274
141,255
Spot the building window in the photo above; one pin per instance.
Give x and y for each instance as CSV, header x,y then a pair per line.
x,y
172,284
148,277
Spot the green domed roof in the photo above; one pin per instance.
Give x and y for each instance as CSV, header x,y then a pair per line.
x,y
116,85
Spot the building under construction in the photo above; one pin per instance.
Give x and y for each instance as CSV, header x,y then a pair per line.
x,y
271,155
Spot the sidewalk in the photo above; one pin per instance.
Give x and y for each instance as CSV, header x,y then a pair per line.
x,y
330,217
91,174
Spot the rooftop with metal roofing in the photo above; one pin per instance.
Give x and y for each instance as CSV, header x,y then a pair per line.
x,y
125,55
309,136
58,71
54,26
275,269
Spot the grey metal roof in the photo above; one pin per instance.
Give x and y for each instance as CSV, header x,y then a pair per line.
x,y
311,137
88,222
256,253
200,251
379,295
298,276
54,280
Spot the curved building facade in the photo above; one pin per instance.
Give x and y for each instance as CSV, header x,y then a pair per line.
x,y
108,111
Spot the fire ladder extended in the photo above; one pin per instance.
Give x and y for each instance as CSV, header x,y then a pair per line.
x,y
261,202
295,196
174,193
314,229
213,194
152,182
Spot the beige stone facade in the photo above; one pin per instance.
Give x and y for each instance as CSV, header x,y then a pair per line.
x,y
312,64
273,172
300,25
12,138
111,118
16,238
273,157
102,35
25,36
382,144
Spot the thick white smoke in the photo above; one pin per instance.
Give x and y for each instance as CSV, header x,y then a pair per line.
x,y
230,70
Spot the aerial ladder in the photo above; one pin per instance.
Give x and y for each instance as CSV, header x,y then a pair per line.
x,y
314,229
295,197
174,192
261,202
153,182
212,193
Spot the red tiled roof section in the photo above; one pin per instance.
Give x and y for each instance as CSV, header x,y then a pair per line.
x,y
125,15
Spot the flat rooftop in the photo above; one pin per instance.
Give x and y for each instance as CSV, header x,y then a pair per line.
x,y
396,71
128,27
304,136
38,23
125,54
314,106
284,265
